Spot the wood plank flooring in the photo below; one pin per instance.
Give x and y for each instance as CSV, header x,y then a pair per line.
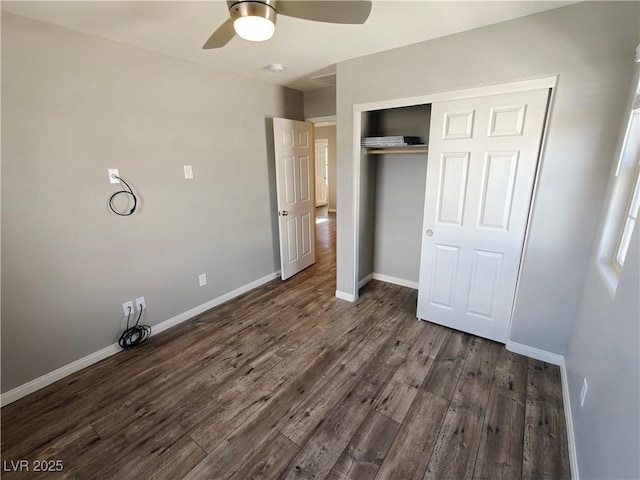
x,y
288,382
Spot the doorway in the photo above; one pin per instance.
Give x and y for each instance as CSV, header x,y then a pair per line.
x,y
325,129
322,171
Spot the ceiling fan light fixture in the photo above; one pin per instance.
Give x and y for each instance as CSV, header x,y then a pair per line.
x,y
254,21
254,29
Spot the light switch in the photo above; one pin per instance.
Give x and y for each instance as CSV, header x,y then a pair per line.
x,y
188,172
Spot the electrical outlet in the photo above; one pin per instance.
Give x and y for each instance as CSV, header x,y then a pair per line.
x,y
128,308
583,392
202,279
140,304
112,172
188,172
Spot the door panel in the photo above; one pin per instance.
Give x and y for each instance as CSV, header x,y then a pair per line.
x,y
485,276
457,125
306,170
443,280
303,137
483,156
499,174
453,187
291,225
307,239
506,120
289,179
295,177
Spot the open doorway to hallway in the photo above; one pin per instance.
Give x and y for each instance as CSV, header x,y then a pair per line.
x,y
325,136
326,206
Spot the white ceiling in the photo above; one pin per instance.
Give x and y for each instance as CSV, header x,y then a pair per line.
x,y
180,28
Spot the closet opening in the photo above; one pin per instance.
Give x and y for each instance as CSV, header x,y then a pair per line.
x,y
392,188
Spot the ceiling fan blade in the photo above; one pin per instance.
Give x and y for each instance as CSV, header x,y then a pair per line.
x,y
221,36
347,12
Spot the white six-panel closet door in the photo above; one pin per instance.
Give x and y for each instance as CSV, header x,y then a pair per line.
x,y
483,156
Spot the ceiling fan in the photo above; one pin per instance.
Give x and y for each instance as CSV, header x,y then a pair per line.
x,y
255,20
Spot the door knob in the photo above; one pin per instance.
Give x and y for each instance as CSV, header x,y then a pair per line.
x,y
429,233
284,213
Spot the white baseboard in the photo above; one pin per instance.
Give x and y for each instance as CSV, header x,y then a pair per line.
x,y
365,280
555,359
396,281
58,374
568,419
349,297
62,372
531,352
376,276
181,317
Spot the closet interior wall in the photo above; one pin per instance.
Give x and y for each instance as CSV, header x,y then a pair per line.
x,y
392,197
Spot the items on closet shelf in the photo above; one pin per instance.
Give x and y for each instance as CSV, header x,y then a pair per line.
x,y
390,141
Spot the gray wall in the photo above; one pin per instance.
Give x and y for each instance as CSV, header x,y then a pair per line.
x,y
74,105
604,348
589,46
399,192
329,133
320,102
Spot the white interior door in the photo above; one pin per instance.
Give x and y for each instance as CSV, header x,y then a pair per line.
x,y
322,160
295,178
483,155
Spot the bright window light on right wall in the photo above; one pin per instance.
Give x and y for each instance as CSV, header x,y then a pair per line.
x,y
632,209
624,202
629,155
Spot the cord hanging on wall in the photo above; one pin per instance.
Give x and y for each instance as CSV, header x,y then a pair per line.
x,y
128,192
134,335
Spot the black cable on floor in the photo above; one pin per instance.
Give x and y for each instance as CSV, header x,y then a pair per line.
x,y
123,192
134,336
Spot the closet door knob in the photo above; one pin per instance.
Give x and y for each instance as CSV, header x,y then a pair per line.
x,y
429,233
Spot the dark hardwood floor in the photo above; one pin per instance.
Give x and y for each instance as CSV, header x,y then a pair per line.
x,y
287,381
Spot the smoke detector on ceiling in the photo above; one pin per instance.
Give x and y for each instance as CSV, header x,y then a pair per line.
x,y
275,67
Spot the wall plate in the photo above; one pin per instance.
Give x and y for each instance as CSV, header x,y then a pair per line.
x,y
140,303
125,308
112,172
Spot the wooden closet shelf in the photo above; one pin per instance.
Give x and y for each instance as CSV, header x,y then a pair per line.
x,y
398,150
